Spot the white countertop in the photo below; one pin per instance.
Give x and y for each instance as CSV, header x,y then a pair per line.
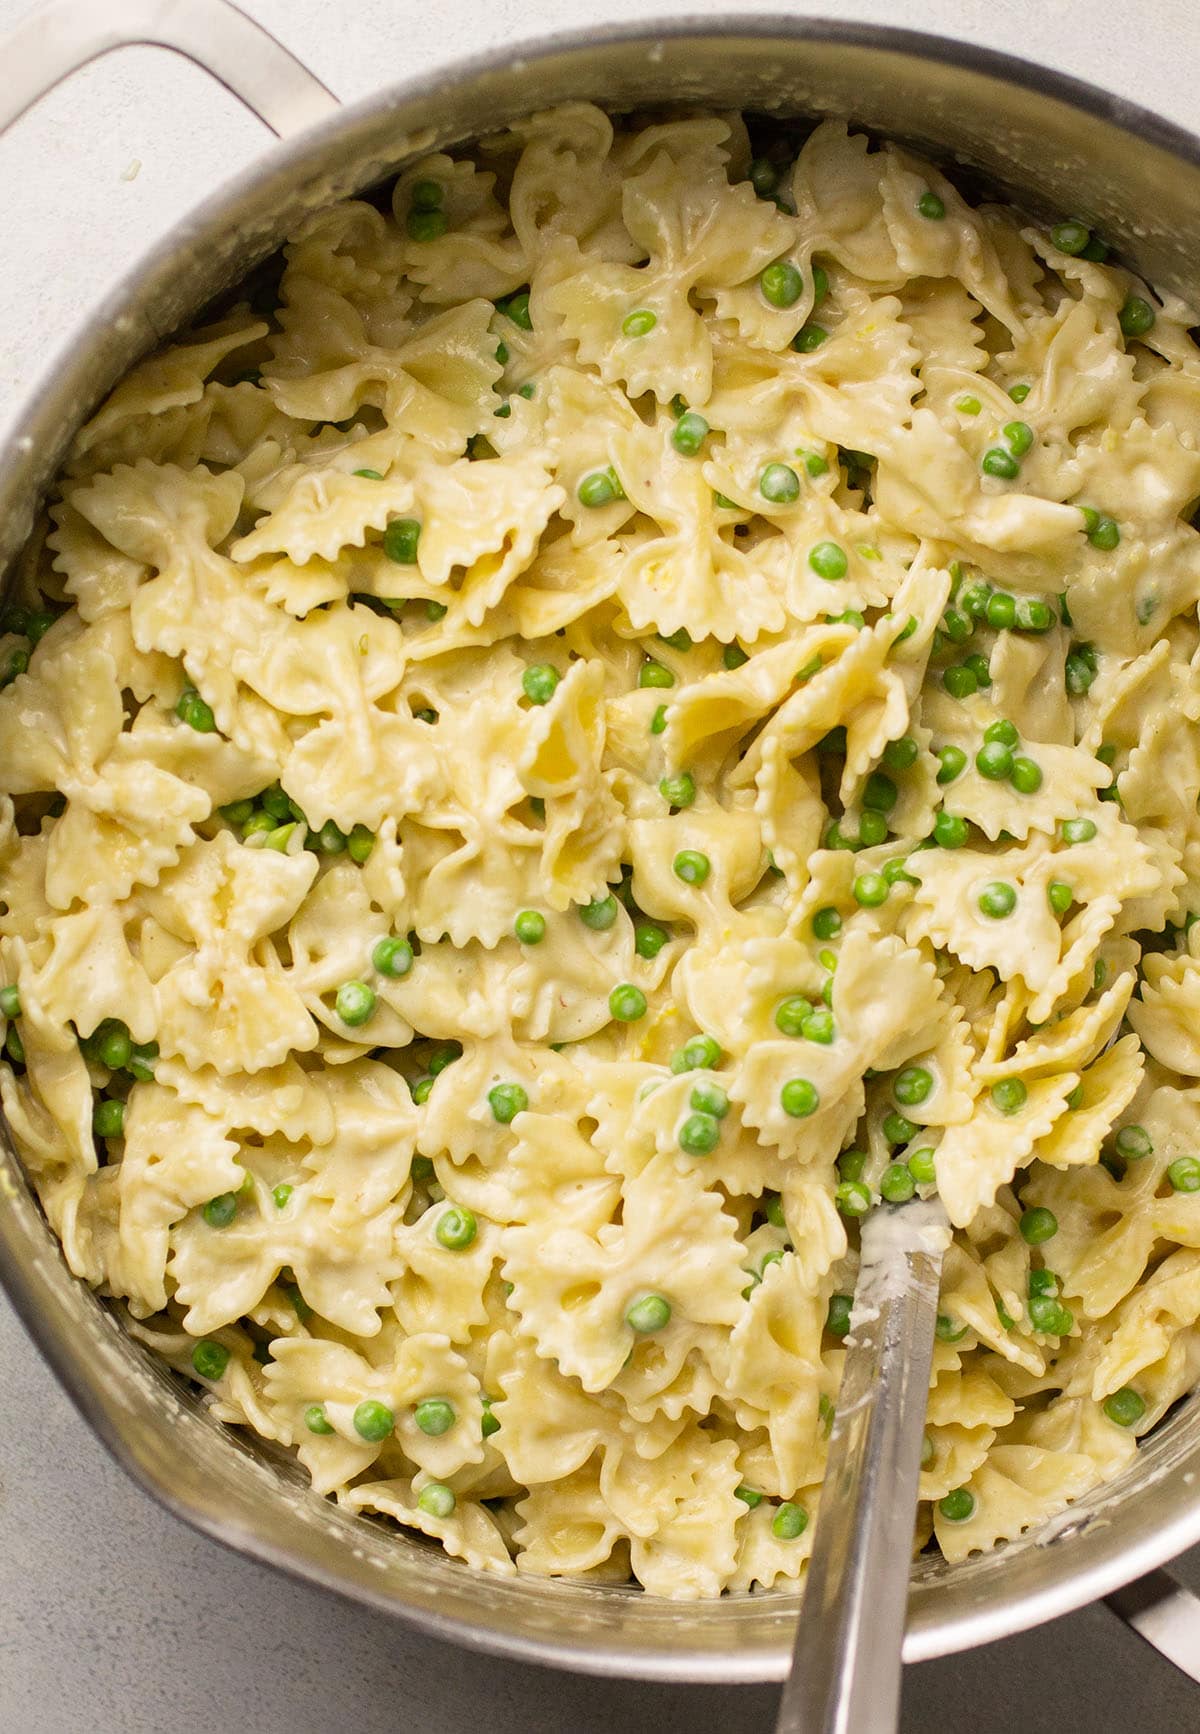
x,y
116,1618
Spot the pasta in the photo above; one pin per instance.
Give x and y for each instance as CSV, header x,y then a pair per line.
x,y
646,703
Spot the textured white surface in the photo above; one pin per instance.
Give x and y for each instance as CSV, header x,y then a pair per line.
x,y
116,1618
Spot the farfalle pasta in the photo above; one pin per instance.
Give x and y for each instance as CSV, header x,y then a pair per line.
x,y
640,703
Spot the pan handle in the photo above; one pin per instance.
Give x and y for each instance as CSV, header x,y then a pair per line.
x,y
1164,1613
58,38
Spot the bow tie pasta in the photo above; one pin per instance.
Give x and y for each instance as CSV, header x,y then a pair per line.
x,y
640,705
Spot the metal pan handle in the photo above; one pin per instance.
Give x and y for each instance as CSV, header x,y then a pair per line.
x,y
57,39
1164,1613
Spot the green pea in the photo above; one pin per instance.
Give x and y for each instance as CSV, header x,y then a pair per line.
x,y
1077,830
852,1198
896,872
871,890
699,1053
1080,672
901,754
434,1416
930,206
1104,532
912,1086
997,899
781,283
140,1064
639,322
837,1318
947,1331
1050,1316
516,307
193,711
488,1423
436,1499
1059,896
799,1098
896,1183
968,405
1001,610
373,1420
442,1056
627,1003
1124,1407
960,682
210,1359
538,682
898,1129
819,1026
828,560
1019,392
114,1049
826,923
316,1420
958,1506
951,764
456,1228
1033,615
435,610
689,434
996,461
507,1101
733,656
1070,237
699,1134
790,1015
949,831
426,225
708,1097
764,180
1184,1174
809,337
956,627
1026,777
780,484
790,1521
599,914
994,761
1019,435
421,1090
280,1195
219,1212
658,721
872,829
1009,1095
1136,316
1134,1142
773,1209
400,541
329,840
880,793
355,1003
649,939
359,844
921,1167
977,664
679,790
108,1117
237,812
1038,1225
653,674
600,488
691,866
652,1312
820,283
530,927
392,956
749,1496
1002,732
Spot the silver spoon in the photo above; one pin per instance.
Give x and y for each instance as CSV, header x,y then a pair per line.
x,y
846,1663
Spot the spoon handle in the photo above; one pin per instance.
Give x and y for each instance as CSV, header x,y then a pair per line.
x,y
846,1665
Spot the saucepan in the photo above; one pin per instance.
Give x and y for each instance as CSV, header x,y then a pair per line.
x,y
1038,138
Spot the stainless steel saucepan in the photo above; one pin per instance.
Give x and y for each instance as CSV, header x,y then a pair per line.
x,y
1044,140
